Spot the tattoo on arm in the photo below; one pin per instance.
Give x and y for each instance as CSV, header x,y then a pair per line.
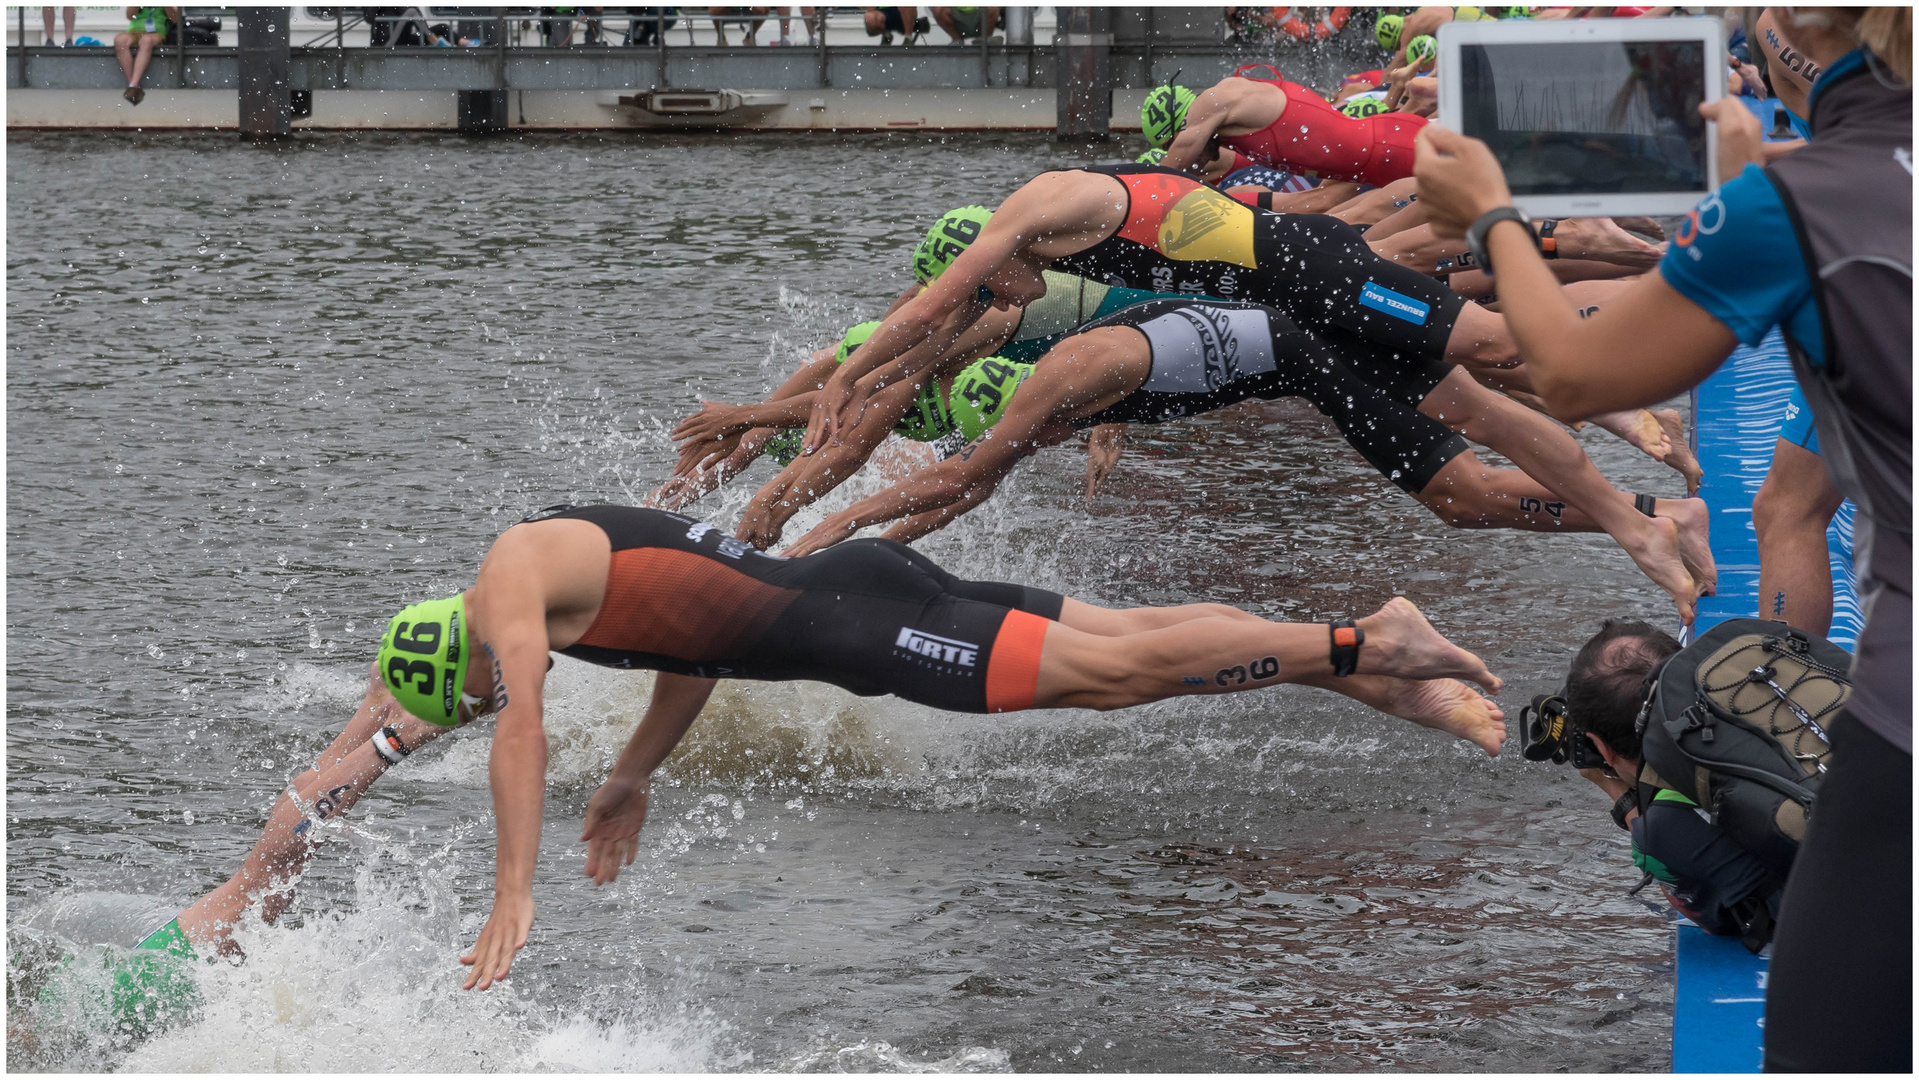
x,y
500,697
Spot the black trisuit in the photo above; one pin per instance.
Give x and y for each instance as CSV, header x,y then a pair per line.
x,y
1182,236
869,616
1207,355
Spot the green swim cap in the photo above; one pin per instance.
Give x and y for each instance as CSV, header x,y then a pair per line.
x,y
424,657
1362,106
1513,13
1420,48
1468,14
1387,30
981,392
952,234
1163,113
1152,157
855,337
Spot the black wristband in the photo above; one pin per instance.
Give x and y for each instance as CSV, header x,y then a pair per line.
x,y
1623,804
1476,235
1548,246
1645,504
1346,640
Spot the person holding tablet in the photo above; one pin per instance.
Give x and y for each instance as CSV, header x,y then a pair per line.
x,y
1819,244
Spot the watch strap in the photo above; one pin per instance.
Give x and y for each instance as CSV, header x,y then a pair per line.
x,y
1476,234
1346,640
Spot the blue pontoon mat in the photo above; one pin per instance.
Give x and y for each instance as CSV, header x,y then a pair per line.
x,y
1718,1018
1719,1001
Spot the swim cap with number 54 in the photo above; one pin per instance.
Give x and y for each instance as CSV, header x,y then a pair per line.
x,y
424,657
952,234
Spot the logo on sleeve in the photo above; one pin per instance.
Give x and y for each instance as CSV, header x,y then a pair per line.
x,y
941,650
1398,305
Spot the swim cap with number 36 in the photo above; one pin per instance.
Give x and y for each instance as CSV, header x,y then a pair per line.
x,y
952,234
424,657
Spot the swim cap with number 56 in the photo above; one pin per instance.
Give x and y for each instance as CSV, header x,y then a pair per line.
x,y
424,657
952,234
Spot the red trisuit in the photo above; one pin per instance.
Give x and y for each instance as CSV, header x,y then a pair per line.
x,y
1312,136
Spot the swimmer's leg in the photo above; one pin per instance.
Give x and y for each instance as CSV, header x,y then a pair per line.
x,y
1378,206
1416,248
1227,653
1549,455
1467,494
1790,513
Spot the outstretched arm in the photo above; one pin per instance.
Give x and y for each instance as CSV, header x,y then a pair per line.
x,y
508,609
1212,109
617,810
342,774
810,477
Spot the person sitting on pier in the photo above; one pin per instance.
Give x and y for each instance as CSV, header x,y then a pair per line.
x,y
967,23
884,22
146,29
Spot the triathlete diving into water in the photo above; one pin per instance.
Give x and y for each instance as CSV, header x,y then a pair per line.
x,y
635,588
1168,358
1146,227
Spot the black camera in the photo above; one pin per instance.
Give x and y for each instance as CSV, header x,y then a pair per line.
x,y
1548,733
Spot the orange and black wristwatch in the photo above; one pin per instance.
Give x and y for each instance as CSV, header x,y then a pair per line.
x,y
1347,639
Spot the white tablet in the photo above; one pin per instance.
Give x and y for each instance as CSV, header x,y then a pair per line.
x,y
1589,117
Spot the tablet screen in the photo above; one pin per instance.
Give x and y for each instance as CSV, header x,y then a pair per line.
x,y
1589,117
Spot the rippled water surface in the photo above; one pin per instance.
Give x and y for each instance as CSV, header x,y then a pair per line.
x,y
258,397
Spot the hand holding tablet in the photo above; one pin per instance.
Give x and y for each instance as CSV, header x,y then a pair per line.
x,y
1589,117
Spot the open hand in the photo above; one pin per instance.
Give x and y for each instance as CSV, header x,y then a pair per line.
x,y
715,419
1459,179
1102,453
834,529
614,816
503,935
839,406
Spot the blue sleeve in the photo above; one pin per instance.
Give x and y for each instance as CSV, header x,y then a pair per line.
x,y
1736,255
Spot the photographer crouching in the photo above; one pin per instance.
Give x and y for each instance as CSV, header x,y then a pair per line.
x,y
1705,873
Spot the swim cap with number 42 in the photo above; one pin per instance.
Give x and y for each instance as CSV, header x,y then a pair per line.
x,y
952,234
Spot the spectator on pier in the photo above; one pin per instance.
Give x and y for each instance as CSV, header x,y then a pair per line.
x,y
806,22
648,24
720,14
961,23
384,27
66,15
883,23
146,29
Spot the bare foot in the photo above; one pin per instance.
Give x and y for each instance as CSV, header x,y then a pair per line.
x,y
1400,642
1602,241
1640,428
1450,706
1644,226
1680,456
1695,540
1655,548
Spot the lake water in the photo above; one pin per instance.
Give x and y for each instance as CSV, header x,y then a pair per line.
x,y
261,396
